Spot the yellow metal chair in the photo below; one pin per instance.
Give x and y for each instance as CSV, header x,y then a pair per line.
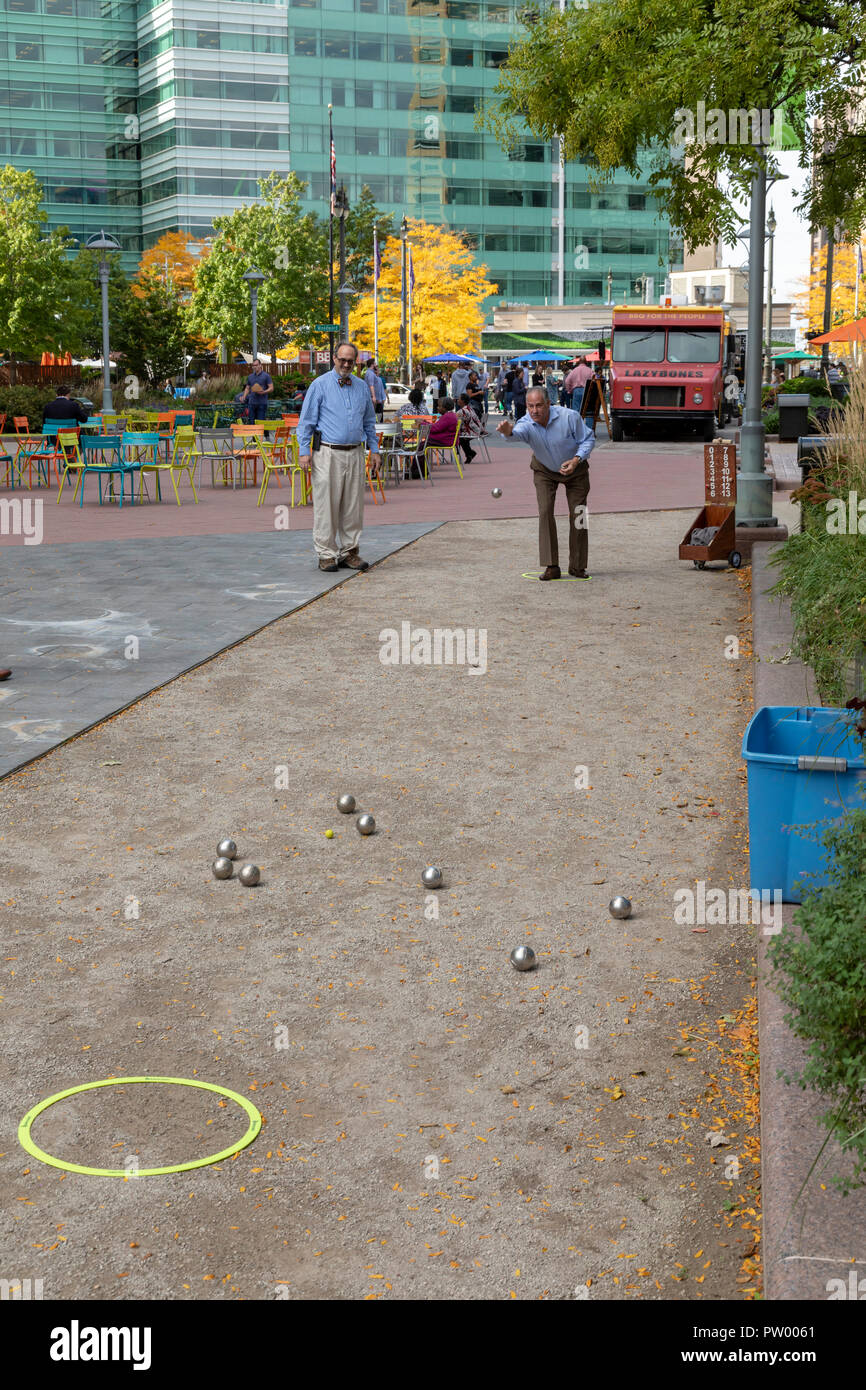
x,y
182,459
279,455
443,450
70,452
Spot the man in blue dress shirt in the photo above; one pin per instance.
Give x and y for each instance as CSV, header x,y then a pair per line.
x,y
561,445
339,407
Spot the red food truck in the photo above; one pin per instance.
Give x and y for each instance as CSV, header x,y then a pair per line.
x,y
669,364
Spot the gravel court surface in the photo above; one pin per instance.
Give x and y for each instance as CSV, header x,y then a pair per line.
x,y
431,1128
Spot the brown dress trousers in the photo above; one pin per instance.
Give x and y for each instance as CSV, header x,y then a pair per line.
x,y
576,486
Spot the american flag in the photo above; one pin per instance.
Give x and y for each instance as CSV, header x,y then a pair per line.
x,y
333,168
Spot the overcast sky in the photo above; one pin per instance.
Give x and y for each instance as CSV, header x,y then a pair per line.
x,y
791,244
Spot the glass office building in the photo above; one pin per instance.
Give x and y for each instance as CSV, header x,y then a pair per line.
x,y
161,115
68,110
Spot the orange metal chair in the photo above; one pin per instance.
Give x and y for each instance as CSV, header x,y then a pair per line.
x,y
248,455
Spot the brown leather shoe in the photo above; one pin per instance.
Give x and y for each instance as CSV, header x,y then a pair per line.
x,y
329,566
4,675
552,572
353,562
578,574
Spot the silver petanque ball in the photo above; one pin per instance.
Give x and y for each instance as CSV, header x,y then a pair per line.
x,y
497,492
223,867
366,824
432,877
346,804
619,906
227,849
523,958
250,875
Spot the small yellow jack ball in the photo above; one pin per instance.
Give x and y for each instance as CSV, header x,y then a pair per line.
x,y
329,834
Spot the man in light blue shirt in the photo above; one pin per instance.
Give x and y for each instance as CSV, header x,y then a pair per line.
x,y
338,408
561,445
377,389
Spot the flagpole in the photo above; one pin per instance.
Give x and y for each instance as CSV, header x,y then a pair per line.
x,y
331,182
409,300
376,295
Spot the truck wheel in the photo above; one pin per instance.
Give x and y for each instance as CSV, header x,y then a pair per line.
x,y
710,429
615,429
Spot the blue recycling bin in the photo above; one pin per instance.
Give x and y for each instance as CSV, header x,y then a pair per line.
x,y
805,765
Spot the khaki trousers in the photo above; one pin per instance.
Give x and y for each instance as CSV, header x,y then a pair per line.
x,y
576,491
338,501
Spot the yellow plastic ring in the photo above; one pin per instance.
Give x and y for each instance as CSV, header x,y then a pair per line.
x,y
26,1141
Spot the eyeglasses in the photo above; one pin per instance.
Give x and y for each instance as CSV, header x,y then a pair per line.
x,y
345,361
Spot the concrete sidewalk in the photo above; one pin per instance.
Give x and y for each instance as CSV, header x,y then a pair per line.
x,y
814,1235
437,1126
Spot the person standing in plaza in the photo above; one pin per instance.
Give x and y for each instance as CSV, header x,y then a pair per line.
x,y
256,392
561,445
459,379
337,420
518,395
576,381
377,389
551,387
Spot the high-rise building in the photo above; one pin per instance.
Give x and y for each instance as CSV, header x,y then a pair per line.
x,y
161,115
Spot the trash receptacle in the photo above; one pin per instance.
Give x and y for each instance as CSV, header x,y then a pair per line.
x,y
805,765
793,417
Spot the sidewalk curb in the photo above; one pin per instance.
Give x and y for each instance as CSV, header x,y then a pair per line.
x,y
823,1236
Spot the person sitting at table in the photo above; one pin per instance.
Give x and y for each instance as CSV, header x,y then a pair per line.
x,y
471,425
416,398
442,433
475,393
62,408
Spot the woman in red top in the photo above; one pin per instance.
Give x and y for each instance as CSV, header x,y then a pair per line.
x,y
442,430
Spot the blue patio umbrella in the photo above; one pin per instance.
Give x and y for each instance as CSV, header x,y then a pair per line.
x,y
452,357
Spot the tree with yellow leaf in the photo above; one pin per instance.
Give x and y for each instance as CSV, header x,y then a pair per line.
x,y
450,288
170,260
811,300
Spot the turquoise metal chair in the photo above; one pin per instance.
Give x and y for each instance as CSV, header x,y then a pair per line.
x,y
95,453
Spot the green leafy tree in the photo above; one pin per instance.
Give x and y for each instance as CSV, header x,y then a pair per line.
x,y
81,308
153,335
32,269
618,81
288,245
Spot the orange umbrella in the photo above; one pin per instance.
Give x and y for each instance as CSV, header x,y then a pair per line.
x,y
846,333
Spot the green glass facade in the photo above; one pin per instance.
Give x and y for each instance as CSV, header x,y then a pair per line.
x,y
68,104
152,117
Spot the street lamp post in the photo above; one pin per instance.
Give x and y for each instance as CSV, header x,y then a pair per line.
x,y
404,365
254,279
771,232
754,487
102,241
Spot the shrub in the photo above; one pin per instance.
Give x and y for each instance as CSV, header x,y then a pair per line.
x,y
804,386
25,400
820,975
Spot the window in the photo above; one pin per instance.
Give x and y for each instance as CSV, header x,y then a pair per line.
x,y
461,101
364,94
616,244
495,57
369,51
639,345
65,148
59,6
306,43
366,142
370,6
463,194
27,51
337,48
462,57
401,51
636,202
505,197
496,241
207,36
338,93
693,345
91,54
21,6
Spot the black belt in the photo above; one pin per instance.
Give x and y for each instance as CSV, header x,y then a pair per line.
x,y
342,446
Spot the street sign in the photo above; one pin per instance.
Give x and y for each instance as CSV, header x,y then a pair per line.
x,y
326,328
